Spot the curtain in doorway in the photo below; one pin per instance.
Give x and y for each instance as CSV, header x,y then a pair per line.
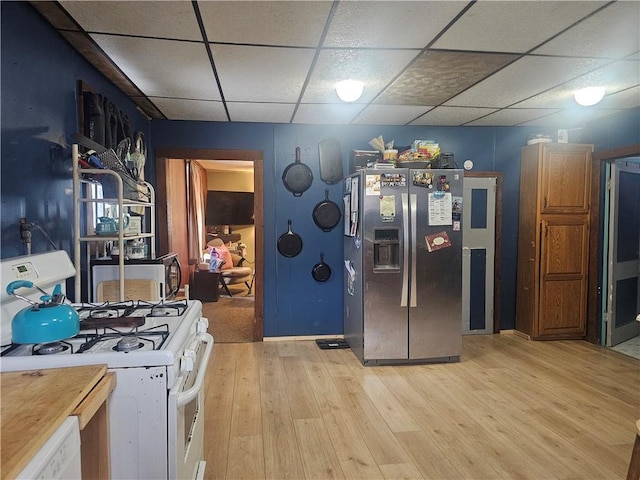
x,y
196,198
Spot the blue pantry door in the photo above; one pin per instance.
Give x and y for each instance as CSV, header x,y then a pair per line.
x,y
478,252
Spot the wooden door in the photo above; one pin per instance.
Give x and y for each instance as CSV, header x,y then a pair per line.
x,y
566,178
563,276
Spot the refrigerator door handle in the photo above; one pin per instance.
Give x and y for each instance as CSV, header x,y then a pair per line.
x,y
414,207
405,253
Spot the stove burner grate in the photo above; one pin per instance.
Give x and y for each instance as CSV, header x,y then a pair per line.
x,y
128,344
154,336
51,348
106,309
173,308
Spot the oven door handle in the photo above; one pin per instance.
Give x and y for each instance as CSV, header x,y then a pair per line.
x,y
186,396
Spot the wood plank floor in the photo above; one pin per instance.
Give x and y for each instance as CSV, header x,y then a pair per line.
x,y
511,408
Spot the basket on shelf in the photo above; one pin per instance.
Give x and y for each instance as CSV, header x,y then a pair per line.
x,y
132,188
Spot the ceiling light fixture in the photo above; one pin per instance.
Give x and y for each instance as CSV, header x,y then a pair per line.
x,y
589,96
349,90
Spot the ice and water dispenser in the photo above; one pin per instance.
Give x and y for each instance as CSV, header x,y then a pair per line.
x,y
386,249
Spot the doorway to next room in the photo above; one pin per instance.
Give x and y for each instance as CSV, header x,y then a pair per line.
x,y
185,176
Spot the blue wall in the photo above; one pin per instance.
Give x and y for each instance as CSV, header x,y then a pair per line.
x,y
294,304
40,71
39,74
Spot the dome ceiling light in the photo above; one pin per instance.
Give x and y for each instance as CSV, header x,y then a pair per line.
x,y
589,96
349,90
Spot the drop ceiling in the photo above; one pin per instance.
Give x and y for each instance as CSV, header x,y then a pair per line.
x,y
422,63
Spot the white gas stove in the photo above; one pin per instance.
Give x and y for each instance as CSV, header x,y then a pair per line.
x,y
159,352
120,335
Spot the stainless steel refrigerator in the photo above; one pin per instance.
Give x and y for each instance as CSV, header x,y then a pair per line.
x,y
403,265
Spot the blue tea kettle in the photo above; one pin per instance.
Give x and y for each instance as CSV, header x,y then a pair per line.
x,y
49,321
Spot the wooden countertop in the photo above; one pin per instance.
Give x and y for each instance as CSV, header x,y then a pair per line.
x,y
34,404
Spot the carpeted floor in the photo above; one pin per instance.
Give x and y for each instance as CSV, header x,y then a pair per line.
x,y
230,318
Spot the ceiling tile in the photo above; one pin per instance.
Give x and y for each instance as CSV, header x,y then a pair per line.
x,y
574,118
616,76
614,32
516,26
437,76
161,19
389,114
451,115
512,116
389,24
145,62
325,114
181,109
265,23
522,79
261,74
376,68
629,98
260,112
266,52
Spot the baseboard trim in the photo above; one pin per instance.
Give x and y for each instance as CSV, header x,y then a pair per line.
x,y
520,334
300,337
507,332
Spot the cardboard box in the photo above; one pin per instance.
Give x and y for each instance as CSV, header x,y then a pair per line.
x,y
360,159
134,227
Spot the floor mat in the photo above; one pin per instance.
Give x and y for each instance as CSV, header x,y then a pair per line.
x,y
332,343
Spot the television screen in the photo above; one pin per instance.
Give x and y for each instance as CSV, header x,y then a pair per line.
x,y
229,208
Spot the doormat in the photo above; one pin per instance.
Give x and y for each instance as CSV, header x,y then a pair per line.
x,y
332,343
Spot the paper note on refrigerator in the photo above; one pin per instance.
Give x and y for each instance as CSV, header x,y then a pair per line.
x,y
388,208
440,211
372,185
346,199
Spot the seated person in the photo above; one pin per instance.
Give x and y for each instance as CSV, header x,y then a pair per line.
x,y
223,253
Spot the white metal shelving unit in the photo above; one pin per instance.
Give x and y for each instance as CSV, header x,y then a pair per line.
x,y
86,234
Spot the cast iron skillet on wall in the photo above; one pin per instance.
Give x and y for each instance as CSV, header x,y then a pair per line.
x,y
297,177
321,271
326,213
289,243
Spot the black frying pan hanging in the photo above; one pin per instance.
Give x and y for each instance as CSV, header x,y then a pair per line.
x,y
289,243
297,177
321,271
326,213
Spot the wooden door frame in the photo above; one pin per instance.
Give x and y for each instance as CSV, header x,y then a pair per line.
x,y
594,288
164,154
499,176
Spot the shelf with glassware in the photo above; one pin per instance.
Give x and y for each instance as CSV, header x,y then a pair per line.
x,y
97,220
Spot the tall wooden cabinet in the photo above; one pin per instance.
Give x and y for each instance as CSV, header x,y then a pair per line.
x,y
553,241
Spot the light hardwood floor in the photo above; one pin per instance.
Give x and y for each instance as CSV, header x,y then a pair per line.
x,y
512,408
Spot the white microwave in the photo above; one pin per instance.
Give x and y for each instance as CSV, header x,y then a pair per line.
x,y
152,280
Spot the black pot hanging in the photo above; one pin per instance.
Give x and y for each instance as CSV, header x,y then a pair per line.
x,y
289,243
297,177
321,271
326,213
